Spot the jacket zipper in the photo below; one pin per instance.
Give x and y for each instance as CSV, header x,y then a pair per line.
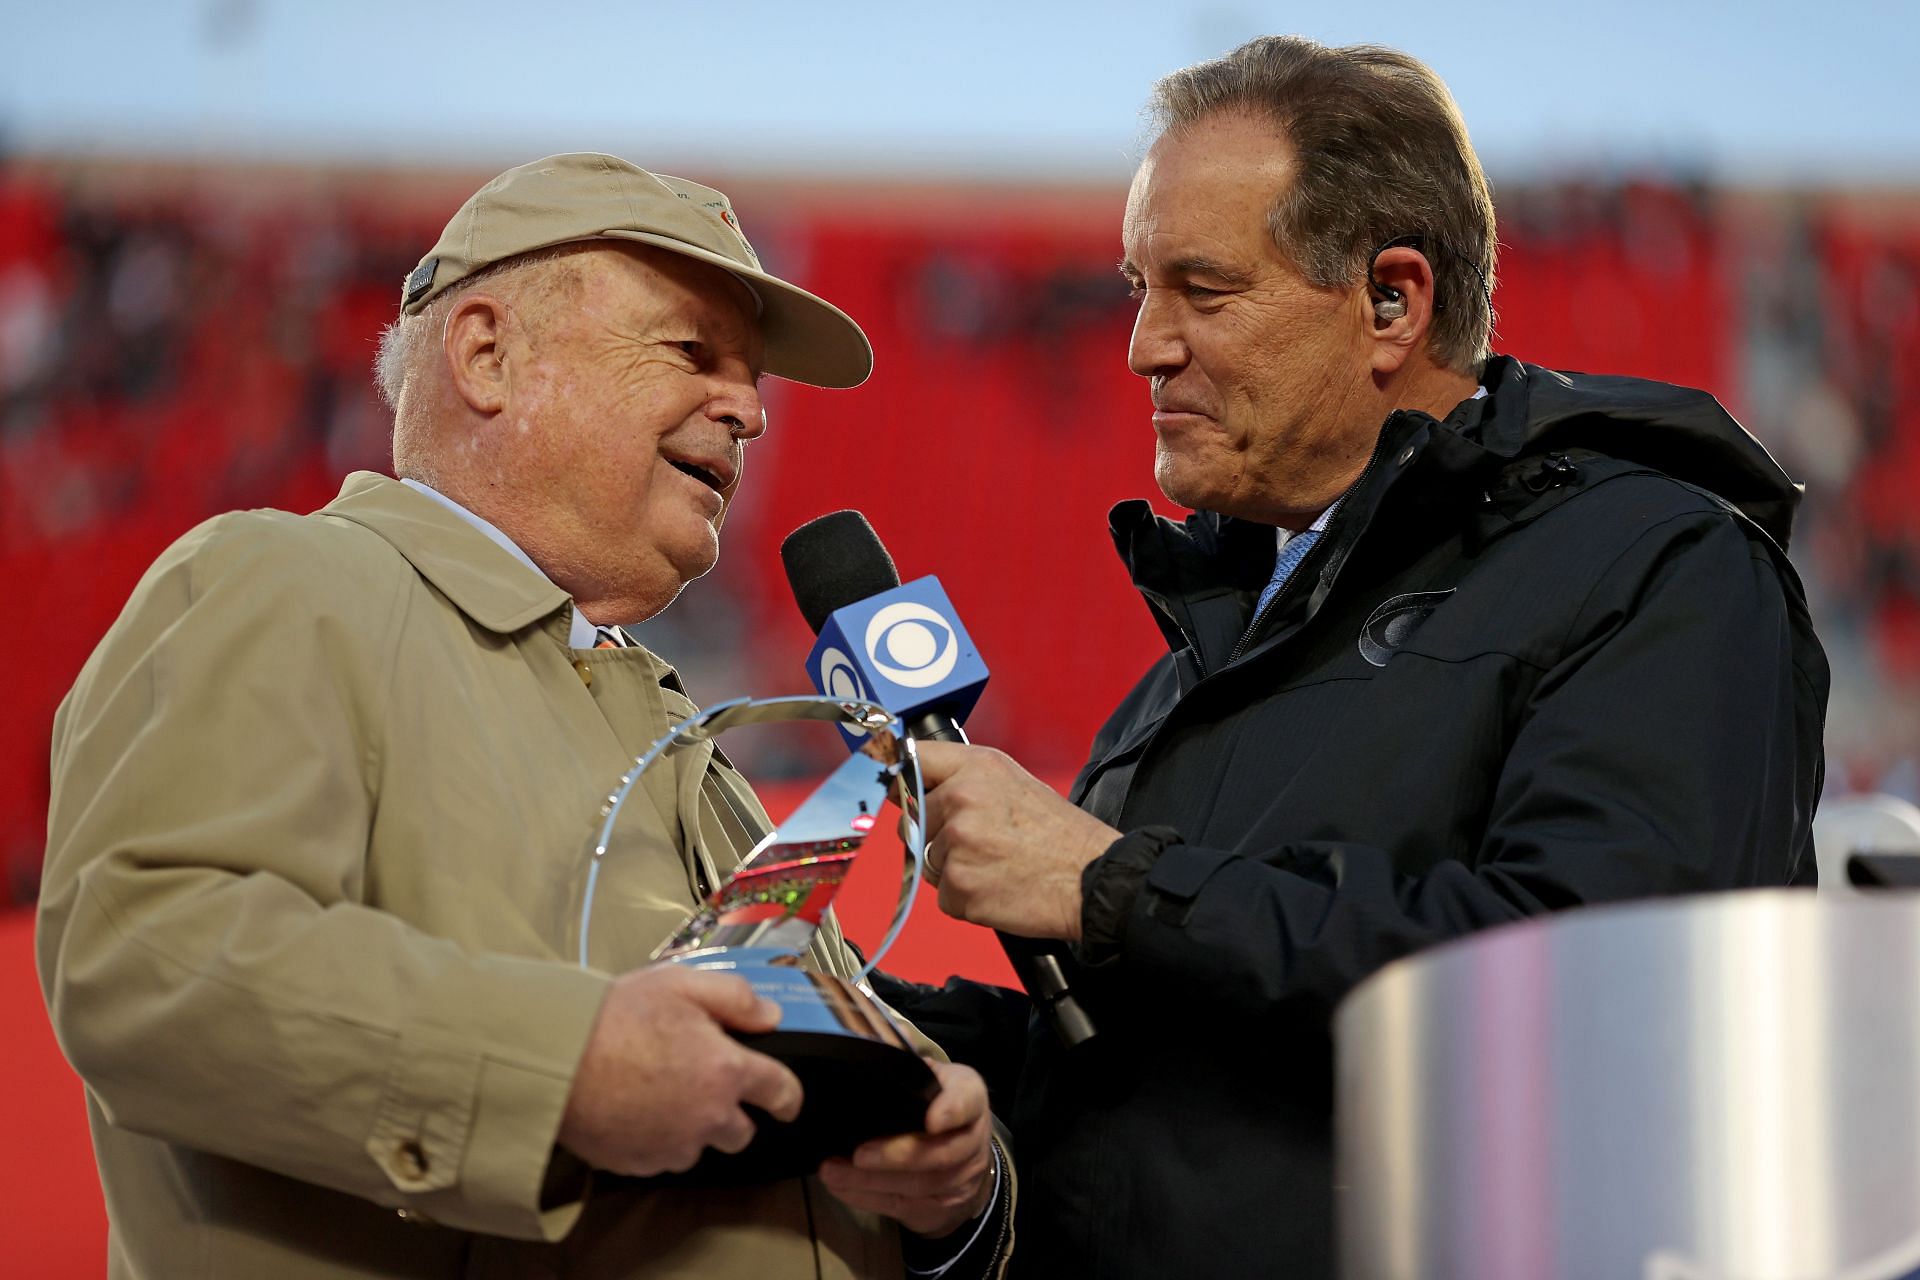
x,y
1314,556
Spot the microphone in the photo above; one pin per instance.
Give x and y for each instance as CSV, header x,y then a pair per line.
x,y
902,646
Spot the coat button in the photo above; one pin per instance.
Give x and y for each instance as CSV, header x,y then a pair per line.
x,y
410,1160
1406,455
585,670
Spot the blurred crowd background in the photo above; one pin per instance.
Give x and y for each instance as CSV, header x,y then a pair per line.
x,y
177,341
207,208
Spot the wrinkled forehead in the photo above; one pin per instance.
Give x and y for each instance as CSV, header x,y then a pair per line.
x,y
1141,217
1214,177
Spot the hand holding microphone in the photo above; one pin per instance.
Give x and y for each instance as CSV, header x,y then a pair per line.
x,y
1005,849
1002,846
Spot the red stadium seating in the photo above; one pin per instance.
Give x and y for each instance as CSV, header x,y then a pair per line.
x,y
164,357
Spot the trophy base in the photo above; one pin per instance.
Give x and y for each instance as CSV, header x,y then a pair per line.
x,y
859,1076
855,1090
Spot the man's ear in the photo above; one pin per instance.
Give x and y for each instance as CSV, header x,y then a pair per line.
x,y
1400,328
473,347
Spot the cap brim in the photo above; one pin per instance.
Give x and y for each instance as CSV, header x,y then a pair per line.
x,y
807,339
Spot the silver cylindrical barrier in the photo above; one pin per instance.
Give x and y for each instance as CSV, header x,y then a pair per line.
x,y
1715,1088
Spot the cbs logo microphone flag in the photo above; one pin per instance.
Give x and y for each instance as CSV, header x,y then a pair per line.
x,y
904,649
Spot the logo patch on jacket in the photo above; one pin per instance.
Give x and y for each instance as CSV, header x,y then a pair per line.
x,y
1393,623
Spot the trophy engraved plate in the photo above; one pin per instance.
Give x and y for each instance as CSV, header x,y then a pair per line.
x,y
861,1076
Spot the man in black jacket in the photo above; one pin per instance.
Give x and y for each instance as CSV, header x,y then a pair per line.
x,y
1454,640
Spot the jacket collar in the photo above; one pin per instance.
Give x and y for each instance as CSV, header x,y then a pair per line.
x,y
1528,410
1679,431
481,578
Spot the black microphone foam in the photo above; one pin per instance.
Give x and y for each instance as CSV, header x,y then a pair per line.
x,y
833,561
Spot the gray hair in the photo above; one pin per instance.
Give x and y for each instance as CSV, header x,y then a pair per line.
x,y
1381,155
405,342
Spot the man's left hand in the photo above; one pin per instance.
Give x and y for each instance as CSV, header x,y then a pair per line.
x,y
932,1182
1004,848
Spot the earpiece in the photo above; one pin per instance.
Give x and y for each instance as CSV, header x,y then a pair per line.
x,y
1391,304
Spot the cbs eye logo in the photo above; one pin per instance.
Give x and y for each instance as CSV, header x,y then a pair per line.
x,y
839,678
912,645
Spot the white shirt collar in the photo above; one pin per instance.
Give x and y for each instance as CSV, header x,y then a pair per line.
x,y
580,632
1281,536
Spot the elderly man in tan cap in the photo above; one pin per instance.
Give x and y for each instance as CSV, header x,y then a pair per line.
x,y
321,799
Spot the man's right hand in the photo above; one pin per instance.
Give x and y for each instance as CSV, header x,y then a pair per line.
x,y
661,1080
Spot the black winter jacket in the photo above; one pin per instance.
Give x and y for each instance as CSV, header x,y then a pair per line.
x,y
1548,653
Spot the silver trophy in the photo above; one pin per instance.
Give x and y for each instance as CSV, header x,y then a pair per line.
x,y
862,1078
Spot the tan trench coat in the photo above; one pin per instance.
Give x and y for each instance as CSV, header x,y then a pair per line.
x,y
321,806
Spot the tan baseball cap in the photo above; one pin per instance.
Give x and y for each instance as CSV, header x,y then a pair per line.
x,y
586,196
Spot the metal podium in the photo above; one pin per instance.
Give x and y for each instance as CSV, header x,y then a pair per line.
x,y
1715,1088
